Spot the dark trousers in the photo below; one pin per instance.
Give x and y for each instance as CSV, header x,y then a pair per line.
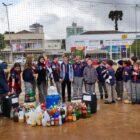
x,y
2,96
102,88
119,88
68,84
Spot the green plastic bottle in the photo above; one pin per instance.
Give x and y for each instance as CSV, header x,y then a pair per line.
x,y
89,110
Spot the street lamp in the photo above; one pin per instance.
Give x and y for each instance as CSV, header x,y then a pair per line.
x,y
115,16
7,14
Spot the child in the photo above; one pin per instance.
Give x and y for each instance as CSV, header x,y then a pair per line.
x,y
15,79
28,77
90,77
119,80
101,81
55,66
136,83
110,83
30,61
78,68
41,79
66,77
127,75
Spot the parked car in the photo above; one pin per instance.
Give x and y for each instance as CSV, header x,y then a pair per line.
x,y
1,61
20,60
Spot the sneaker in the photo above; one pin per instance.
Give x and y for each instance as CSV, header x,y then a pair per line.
x,y
101,97
113,102
127,102
107,102
119,99
106,96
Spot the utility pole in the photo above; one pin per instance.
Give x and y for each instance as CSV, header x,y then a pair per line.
x,y
7,14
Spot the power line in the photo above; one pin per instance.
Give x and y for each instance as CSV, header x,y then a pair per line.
x,y
107,3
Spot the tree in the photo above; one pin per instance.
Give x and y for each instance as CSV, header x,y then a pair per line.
x,y
135,48
2,43
115,16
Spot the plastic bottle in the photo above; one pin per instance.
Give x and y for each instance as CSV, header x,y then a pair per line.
x,y
12,113
60,120
89,110
52,121
74,117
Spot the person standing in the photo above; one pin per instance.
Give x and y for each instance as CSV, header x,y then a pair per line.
x,y
90,77
49,75
110,83
78,68
28,77
15,79
55,66
30,60
66,76
101,81
127,76
4,90
41,79
135,84
119,80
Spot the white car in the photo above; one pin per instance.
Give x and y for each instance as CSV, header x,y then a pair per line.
x,y
1,61
20,60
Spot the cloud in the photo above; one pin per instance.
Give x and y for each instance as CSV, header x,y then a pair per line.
x,y
56,15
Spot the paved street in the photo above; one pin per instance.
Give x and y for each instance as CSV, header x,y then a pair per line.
x,y
112,122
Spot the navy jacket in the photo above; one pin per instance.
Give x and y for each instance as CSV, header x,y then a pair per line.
x,y
55,71
110,76
78,69
28,75
127,74
41,71
3,83
119,74
136,79
100,73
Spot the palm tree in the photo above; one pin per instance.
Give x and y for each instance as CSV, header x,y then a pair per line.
x,y
115,16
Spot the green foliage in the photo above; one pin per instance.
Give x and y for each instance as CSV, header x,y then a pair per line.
x,y
135,47
2,42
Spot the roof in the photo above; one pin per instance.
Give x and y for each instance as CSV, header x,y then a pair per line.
x,y
35,25
105,32
24,32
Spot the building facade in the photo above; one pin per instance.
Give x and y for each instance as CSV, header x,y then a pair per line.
x,y
103,44
23,43
54,47
74,30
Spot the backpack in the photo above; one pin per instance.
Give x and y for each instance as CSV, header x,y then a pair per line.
x,y
28,75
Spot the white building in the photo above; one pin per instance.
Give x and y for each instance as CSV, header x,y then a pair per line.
x,y
54,47
74,30
95,42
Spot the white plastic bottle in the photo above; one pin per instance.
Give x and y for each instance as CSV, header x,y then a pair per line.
x,y
60,120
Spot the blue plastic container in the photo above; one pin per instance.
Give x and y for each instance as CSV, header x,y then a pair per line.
x,y
51,100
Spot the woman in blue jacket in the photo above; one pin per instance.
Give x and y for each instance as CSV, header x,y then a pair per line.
x,y
3,84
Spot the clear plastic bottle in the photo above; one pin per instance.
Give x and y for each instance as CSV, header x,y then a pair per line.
x,y
60,120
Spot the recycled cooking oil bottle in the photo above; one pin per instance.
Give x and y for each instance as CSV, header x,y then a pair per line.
x,y
74,117
60,120
52,121
89,110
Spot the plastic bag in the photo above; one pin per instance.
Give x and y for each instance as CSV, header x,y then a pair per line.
x,y
52,90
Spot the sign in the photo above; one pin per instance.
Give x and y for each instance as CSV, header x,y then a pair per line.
x,y
124,36
127,46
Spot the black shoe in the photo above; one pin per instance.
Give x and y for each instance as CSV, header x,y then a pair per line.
x,y
101,96
106,96
113,102
107,102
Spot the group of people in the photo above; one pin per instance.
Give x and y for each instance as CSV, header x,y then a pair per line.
x,y
80,74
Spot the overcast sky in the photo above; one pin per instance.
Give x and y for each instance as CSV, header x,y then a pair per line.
x,y
56,15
